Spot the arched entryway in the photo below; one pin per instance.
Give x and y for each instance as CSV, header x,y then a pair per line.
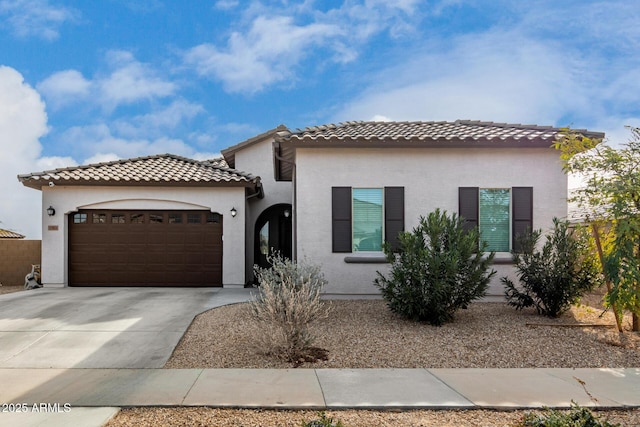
x,y
273,233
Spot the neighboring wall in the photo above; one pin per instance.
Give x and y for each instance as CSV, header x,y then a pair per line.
x,y
16,258
431,177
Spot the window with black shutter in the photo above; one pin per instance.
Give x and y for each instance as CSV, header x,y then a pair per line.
x,y
393,214
491,215
522,198
468,206
341,219
345,201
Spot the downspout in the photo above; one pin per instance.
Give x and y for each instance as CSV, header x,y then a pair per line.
x,y
294,216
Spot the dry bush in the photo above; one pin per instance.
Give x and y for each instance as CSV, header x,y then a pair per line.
x,y
288,302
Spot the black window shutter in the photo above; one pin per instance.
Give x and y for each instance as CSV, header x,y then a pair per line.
x,y
393,214
522,215
341,219
468,206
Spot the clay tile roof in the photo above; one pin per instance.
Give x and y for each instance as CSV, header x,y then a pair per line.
x,y
461,133
7,234
218,161
426,131
163,169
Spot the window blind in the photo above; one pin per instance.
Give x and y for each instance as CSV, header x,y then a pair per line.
x,y
367,219
494,218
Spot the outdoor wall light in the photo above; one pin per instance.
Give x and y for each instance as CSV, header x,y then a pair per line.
x,y
287,213
51,211
234,212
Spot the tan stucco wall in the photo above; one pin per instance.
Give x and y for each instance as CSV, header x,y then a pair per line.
x,y
257,159
16,258
431,177
67,199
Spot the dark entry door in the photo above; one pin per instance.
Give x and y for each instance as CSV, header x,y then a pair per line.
x,y
273,233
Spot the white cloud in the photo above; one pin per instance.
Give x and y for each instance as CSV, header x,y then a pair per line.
x,y
497,76
23,121
207,156
227,4
265,55
53,162
97,142
276,40
131,81
35,17
127,81
101,158
157,123
64,87
615,128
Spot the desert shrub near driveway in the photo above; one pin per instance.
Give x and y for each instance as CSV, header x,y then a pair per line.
x,y
288,302
554,278
438,269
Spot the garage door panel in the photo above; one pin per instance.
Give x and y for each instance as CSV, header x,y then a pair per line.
x,y
144,248
118,257
156,237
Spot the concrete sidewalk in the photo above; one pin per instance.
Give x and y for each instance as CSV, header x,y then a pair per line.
x,y
93,395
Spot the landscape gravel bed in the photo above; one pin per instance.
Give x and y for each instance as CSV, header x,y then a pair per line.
x,y
365,334
200,417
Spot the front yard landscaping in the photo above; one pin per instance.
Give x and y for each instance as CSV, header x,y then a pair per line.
x,y
365,334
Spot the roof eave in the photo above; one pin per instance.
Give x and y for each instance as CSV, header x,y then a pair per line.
x,y
229,153
37,183
284,148
417,142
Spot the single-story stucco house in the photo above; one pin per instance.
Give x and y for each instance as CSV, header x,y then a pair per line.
x,y
330,194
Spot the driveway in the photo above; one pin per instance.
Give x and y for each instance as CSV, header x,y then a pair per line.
x,y
101,327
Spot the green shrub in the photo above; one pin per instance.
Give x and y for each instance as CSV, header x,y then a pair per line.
x,y
439,268
323,421
575,417
555,277
287,303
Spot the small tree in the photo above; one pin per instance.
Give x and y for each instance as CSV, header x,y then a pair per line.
x,y
612,195
555,277
439,268
288,302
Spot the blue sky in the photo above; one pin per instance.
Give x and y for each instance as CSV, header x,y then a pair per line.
x,y
90,81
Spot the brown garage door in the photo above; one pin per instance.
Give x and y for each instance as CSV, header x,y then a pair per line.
x,y
145,248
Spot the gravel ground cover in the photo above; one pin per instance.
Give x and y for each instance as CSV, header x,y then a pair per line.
x,y
200,417
364,334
